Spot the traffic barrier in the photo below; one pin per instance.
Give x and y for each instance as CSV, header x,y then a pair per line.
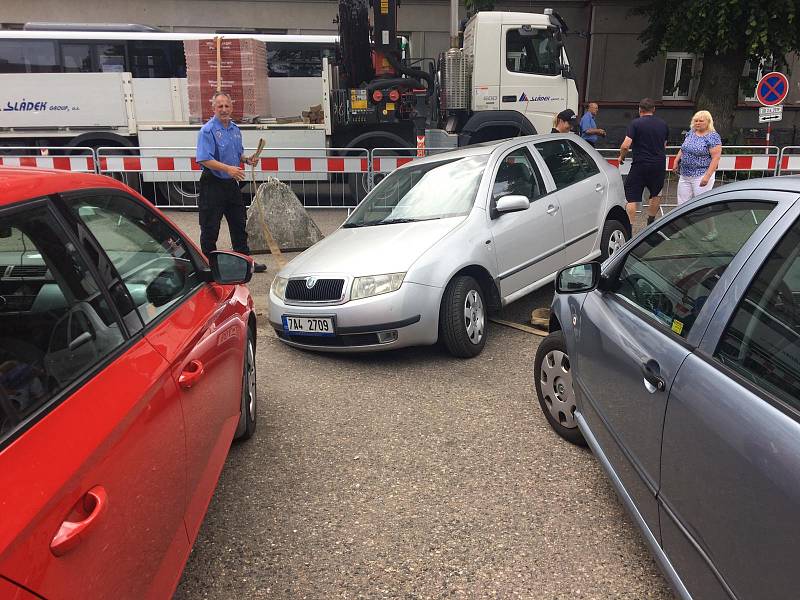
x,y
334,177
63,158
789,162
169,176
736,162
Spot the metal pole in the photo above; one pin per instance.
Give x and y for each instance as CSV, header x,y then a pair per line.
x,y
454,23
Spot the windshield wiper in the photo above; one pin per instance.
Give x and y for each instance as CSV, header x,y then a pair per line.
x,y
393,221
383,222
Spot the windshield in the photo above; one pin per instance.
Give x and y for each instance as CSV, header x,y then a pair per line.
x,y
423,192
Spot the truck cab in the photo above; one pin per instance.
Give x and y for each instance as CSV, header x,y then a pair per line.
x,y
517,64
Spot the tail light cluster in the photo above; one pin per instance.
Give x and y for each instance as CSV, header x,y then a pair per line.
x,y
378,95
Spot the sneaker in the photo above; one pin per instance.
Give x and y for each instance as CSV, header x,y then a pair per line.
x,y
259,268
710,236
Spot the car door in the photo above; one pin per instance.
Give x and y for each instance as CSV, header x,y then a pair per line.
x,y
530,74
730,483
528,244
635,335
582,189
193,324
92,448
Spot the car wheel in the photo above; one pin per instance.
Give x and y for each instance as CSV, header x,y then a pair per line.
x,y
247,420
462,319
553,377
615,234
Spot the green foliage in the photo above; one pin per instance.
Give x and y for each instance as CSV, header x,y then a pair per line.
x,y
756,28
474,6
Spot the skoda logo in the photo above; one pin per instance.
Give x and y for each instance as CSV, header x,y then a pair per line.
x,y
311,282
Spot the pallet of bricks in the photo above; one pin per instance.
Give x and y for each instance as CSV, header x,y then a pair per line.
x,y
243,70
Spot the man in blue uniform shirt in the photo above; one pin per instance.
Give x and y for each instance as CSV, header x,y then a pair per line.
x,y
220,151
589,129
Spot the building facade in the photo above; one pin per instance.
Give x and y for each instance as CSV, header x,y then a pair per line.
x,y
602,45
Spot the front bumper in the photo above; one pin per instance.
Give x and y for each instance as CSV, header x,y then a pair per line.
x,y
406,317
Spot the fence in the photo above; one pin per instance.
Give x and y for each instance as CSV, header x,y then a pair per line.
x,y
332,177
320,177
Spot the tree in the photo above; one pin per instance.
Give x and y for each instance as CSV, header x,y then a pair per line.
x,y
474,6
726,33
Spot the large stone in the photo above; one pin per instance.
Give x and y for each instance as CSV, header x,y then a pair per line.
x,y
277,206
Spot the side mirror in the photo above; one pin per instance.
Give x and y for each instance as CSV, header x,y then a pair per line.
x,y
512,203
230,267
578,279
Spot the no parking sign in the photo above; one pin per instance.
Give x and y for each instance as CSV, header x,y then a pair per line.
x,y
772,89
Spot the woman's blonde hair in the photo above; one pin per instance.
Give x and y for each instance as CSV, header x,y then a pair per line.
x,y
704,114
555,120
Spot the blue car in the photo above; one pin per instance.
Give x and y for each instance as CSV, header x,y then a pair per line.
x,y
677,361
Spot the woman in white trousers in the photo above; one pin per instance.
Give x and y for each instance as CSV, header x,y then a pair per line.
x,y
697,161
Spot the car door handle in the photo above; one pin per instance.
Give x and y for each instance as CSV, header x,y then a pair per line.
x,y
509,98
191,373
93,504
599,187
653,382
551,210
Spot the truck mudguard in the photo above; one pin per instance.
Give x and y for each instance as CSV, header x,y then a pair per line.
x,y
486,126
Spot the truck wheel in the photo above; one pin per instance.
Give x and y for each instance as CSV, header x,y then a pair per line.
x,y
178,193
463,317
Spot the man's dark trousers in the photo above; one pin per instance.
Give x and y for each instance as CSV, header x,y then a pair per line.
x,y
218,198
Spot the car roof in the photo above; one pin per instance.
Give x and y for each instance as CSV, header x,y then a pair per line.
x,y
487,148
24,183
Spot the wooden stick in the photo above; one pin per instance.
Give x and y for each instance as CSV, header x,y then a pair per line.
x,y
525,328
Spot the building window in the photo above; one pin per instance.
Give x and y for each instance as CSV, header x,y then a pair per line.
x,y
678,76
753,72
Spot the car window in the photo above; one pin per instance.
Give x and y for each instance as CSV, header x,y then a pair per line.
x,y
762,340
55,324
567,162
671,273
152,260
517,175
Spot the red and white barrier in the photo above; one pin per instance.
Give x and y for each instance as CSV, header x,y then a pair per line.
x,y
331,164
789,161
79,160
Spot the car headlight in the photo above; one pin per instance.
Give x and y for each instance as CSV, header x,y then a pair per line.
x,y
279,287
372,285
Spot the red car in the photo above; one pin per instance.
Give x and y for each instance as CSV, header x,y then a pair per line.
x,y
127,366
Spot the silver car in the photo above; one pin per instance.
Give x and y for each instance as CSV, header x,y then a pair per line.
x,y
678,362
443,240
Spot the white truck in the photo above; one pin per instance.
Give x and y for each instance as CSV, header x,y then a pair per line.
x,y
510,78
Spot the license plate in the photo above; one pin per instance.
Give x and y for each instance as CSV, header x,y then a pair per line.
x,y
308,325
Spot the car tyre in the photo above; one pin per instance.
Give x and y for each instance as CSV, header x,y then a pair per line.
x,y
247,419
615,234
552,375
463,317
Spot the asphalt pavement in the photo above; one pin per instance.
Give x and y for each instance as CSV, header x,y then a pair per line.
x,y
410,474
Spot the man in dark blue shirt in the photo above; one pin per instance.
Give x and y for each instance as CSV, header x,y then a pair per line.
x,y
647,136
220,152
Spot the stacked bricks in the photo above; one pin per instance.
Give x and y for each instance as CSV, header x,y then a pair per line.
x,y
243,67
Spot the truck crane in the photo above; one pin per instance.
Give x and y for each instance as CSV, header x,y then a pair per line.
x,y
509,78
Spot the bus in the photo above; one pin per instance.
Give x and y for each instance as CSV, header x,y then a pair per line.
x,y
294,61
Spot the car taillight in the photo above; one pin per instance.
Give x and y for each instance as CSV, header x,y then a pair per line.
x,y
377,96
394,95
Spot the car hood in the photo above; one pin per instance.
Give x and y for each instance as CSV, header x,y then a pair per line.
x,y
373,250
